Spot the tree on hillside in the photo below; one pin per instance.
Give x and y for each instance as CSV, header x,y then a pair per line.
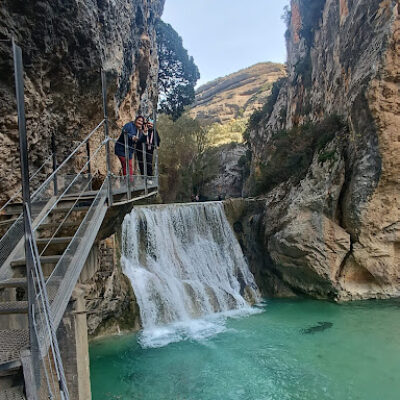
x,y
177,153
199,164
178,73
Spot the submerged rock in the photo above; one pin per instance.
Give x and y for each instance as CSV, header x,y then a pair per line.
x,y
322,326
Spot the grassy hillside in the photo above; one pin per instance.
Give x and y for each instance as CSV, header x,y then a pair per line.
x,y
237,95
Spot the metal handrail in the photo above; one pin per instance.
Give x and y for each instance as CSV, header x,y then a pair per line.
x,y
66,216
54,174
44,314
61,300
42,299
66,190
16,194
133,148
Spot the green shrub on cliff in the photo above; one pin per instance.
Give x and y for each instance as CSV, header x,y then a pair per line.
x,y
265,112
290,152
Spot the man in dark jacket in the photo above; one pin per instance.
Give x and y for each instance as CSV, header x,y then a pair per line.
x,y
133,130
152,140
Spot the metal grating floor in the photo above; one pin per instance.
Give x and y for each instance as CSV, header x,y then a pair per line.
x,y
11,343
14,307
13,282
15,393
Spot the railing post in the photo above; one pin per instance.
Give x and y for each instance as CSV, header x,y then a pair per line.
x,y
19,88
127,167
54,157
156,164
144,158
88,163
104,92
155,147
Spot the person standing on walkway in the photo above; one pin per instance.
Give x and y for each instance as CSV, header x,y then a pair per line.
x,y
133,130
152,140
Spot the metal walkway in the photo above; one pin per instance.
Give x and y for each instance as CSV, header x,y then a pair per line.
x,y
45,241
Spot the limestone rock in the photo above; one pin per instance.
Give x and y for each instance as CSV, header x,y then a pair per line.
x,y
110,301
336,233
228,181
65,44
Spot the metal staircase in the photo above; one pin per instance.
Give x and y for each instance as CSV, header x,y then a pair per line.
x,y
45,241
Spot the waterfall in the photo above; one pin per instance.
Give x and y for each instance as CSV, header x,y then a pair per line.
x,y
186,268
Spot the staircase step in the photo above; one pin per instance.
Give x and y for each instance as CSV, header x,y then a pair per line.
x,y
13,283
17,209
13,307
12,342
20,262
12,211
57,224
90,195
22,282
14,393
66,209
7,222
55,240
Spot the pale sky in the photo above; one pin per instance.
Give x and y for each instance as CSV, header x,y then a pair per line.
x,y
225,36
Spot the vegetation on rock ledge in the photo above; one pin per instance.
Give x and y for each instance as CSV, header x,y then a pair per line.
x,y
290,152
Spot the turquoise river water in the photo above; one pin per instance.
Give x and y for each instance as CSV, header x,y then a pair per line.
x,y
285,350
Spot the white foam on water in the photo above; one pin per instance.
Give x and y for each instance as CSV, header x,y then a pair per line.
x,y
197,330
187,271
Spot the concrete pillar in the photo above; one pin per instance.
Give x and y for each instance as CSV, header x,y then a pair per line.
x,y
73,341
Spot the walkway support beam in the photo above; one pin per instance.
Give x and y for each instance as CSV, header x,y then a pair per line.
x,y
127,167
54,159
144,158
107,137
19,88
156,172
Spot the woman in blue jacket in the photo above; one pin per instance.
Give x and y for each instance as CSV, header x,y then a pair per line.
x,y
133,130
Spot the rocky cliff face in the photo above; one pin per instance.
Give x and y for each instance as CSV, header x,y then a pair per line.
x,y
65,44
236,95
335,232
110,301
228,179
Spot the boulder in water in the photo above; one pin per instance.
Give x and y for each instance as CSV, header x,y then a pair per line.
x,y
322,326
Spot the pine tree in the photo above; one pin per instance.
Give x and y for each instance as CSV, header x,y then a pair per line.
x,y
178,73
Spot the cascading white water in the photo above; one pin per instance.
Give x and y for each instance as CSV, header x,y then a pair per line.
x,y
185,264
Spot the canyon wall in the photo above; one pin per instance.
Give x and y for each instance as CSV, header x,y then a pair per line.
x,y
65,44
334,231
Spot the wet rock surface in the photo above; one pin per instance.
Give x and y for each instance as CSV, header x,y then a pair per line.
x,y
110,302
